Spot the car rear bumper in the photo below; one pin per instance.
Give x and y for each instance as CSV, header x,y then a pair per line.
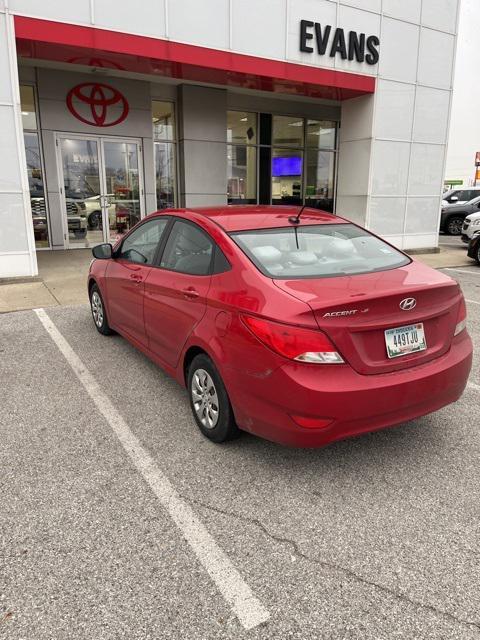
x,y
353,402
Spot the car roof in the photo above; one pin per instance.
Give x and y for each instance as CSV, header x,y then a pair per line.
x,y
245,217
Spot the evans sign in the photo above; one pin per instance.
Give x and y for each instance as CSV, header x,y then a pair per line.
x,y
333,42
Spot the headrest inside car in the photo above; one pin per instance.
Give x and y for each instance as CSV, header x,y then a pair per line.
x,y
267,254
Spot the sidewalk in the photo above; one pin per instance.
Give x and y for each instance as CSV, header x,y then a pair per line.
x,y
62,280
63,276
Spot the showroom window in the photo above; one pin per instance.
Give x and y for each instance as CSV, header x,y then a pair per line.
x,y
164,141
241,157
33,156
281,159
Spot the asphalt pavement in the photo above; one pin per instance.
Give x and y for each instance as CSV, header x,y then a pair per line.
x,y
376,537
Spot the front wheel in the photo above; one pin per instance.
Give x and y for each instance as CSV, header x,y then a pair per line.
x,y
99,314
454,225
209,401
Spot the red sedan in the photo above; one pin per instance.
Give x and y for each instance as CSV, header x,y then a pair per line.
x,y
292,324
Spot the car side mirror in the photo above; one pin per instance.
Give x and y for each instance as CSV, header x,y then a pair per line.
x,y
103,251
454,199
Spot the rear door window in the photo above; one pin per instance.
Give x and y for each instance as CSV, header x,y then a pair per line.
x,y
317,251
188,250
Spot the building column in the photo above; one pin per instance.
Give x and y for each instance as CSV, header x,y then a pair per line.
x,y
17,242
202,146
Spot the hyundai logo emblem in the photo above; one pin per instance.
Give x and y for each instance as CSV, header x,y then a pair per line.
x,y
408,304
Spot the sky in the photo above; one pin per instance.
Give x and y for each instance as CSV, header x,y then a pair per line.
x,y
464,140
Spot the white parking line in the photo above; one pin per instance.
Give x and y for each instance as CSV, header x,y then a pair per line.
x,y
248,609
471,301
472,272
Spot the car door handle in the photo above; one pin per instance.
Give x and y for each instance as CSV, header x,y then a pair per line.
x,y
137,278
190,293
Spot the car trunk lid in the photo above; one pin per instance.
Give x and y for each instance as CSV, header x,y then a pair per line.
x,y
355,311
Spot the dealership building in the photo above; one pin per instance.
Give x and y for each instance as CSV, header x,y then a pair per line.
x,y
111,110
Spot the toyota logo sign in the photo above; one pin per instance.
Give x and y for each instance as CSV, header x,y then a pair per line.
x,y
99,105
408,304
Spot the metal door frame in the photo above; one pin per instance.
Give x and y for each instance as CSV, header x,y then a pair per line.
x,y
100,140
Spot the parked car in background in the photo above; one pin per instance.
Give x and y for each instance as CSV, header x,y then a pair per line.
x,y
289,323
471,226
459,196
452,218
474,248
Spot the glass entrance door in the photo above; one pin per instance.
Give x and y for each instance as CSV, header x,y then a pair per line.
x,y
101,188
122,193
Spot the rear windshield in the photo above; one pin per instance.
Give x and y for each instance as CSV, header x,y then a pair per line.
x,y
317,251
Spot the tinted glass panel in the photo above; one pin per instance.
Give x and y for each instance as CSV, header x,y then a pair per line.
x,y
321,134
320,179
163,120
317,251
35,184
287,169
188,250
27,99
241,174
141,244
288,131
241,127
165,174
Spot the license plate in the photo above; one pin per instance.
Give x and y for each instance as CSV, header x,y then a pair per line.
x,y
404,340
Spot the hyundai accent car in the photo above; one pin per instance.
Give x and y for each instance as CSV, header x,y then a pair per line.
x,y
292,324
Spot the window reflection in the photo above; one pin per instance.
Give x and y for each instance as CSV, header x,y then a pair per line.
x,y
35,184
165,174
163,121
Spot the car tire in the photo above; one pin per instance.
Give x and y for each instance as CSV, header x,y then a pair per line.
x,y
95,220
99,313
209,401
477,253
454,226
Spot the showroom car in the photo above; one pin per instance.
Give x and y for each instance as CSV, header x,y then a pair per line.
x,y
286,322
451,220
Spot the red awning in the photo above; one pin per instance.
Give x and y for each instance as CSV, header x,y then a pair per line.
x,y
47,40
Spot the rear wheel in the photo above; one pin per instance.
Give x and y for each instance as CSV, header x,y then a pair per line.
x,y
454,225
209,401
477,253
99,314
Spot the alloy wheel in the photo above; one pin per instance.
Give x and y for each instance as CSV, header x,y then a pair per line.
x,y
205,398
97,309
455,226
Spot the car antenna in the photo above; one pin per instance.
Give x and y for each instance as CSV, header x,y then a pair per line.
x,y
296,219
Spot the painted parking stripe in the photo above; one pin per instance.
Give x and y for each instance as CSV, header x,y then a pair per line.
x,y
248,609
473,272
471,301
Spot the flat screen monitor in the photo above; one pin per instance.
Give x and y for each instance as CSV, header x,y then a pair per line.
x,y
288,166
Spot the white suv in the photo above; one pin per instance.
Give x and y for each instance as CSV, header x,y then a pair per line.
x,y
471,227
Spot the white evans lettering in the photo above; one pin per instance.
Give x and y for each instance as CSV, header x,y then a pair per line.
x,y
352,46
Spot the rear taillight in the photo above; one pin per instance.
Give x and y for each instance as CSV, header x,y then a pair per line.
x,y
295,343
461,318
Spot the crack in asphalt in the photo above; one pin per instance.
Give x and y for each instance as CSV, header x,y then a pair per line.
x,y
333,566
